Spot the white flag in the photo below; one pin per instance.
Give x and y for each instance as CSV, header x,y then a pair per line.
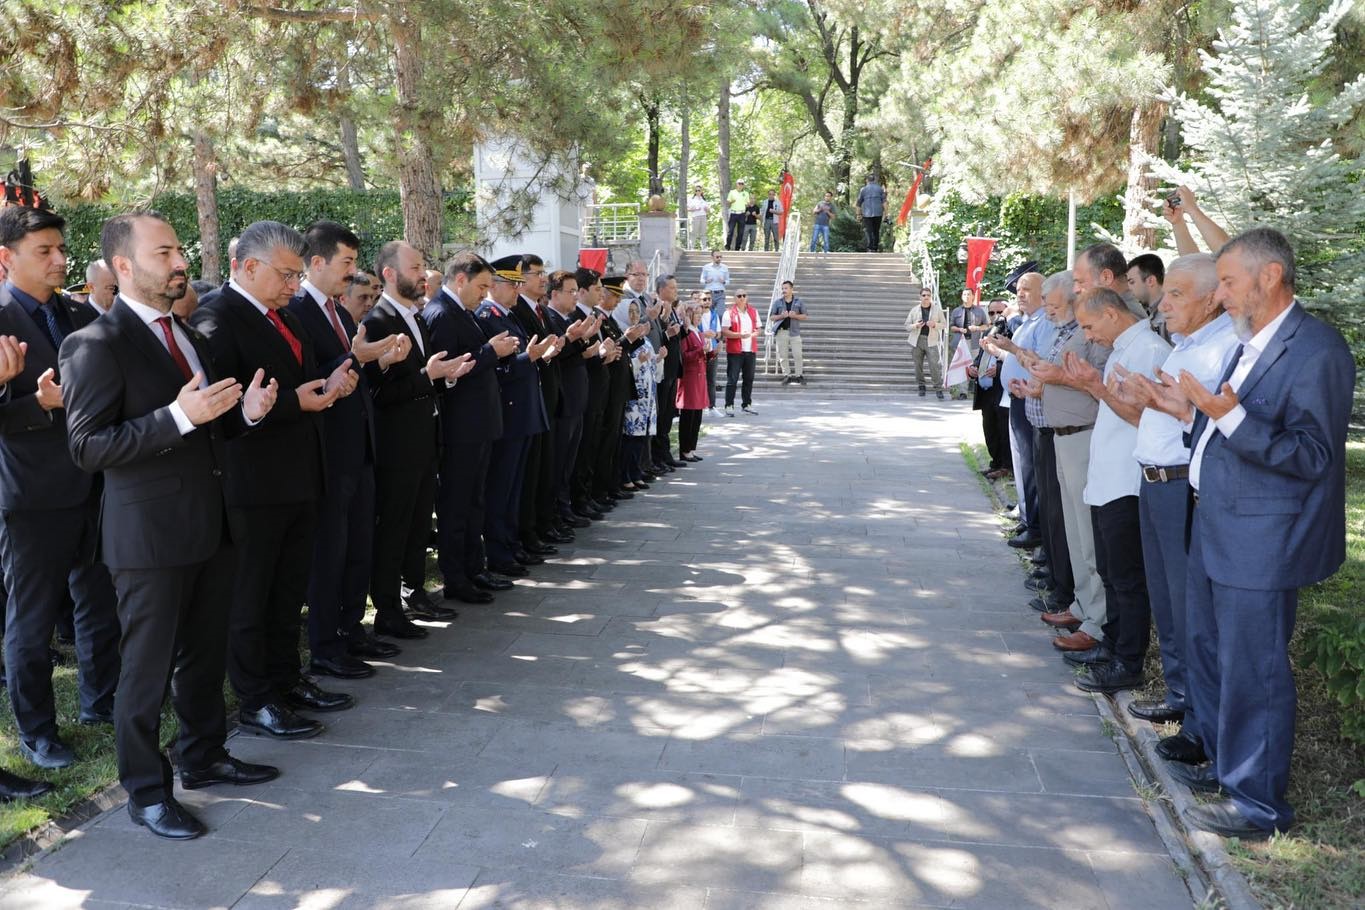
x,y
956,374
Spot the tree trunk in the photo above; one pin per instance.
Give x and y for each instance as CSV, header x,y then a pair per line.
x,y
656,183
684,152
419,190
206,206
1144,139
723,153
350,145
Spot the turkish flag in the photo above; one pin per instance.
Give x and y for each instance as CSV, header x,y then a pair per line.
x,y
978,256
788,187
914,191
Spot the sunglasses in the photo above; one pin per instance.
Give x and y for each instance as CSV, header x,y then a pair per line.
x,y
741,296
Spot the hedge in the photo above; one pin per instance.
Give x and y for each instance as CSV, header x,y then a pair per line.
x,y
375,215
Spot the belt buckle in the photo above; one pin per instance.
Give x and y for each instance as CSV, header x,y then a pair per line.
x,y
1152,474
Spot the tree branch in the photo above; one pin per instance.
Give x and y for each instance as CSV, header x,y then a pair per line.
x,y
280,14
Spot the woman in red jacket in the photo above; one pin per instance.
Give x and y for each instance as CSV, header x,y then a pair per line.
x,y
692,397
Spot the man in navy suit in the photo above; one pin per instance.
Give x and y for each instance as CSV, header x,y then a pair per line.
x,y
471,420
275,478
523,416
567,321
538,538
1268,476
595,360
339,580
50,506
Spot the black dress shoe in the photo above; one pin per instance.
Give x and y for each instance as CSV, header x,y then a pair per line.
x,y
1113,676
511,569
468,594
490,582
1182,748
1096,655
539,548
1046,604
676,463
418,598
397,627
1225,818
13,787
1039,558
278,721
1199,778
599,505
228,771
1041,585
95,718
1158,712
564,533
650,476
623,494
168,819
342,666
305,695
363,644
1040,572
583,516
1018,529
555,535
47,752
434,612
526,559
1024,541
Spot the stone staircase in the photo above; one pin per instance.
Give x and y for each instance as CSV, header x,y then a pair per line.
x,y
857,303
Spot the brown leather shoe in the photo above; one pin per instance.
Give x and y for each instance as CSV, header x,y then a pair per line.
x,y
1076,641
1063,620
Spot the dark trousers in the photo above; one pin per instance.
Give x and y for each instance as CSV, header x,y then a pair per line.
x,y
1118,559
46,553
735,235
1162,511
1242,686
689,430
404,499
506,472
737,365
662,445
1050,520
585,460
1022,431
460,513
872,233
343,552
568,435
274,559
633,451
607,467
995,427
711,363
528,506
174,639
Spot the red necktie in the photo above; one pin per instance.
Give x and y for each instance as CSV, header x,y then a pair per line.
x,y
336,324
174,349
289,337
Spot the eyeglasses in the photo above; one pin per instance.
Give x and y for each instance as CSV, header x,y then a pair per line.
x,y
289,276
741,296
636,274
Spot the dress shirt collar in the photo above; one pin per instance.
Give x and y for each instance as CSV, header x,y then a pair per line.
x,y
1216,326
312,291
586,311
27,301
1129,335
260,307
535,307
146,313
406,310
1262,338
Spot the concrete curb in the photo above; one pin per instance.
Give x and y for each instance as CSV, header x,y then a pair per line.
x,y
1213,880
51,834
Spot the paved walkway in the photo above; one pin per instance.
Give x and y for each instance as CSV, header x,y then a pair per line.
x,y
800,674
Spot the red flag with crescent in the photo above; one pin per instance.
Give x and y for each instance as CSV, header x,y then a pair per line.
x,y
978,256
914,191
788,188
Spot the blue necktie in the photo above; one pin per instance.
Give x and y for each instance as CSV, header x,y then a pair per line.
x,y
54,328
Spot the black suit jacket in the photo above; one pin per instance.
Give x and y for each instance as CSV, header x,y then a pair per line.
x,y
405,402
597,371
36,471
348,425
619,373
573,372
473,408
673,363
163,492
283,460
550,380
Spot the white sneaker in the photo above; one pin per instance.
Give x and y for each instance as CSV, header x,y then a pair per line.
x,y
729,412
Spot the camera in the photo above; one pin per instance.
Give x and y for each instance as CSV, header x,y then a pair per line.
x,y
1173,200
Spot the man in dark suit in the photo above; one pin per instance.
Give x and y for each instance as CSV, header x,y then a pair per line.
x,y
275,478
523,417
669,328
1268,472
50,507
567,322
339,581
408,429
537,492
595,359
148,407
620,391
471,420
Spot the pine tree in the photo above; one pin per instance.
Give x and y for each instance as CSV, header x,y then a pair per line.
x,y
1260,149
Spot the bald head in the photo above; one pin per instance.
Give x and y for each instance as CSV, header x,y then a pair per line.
x,y
103,284
1029,289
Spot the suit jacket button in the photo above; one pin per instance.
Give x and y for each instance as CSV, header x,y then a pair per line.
x,y
217,472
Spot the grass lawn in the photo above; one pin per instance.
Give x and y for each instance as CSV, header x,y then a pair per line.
x,y
1320,863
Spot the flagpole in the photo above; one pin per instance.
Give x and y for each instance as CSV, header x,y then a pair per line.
x,y
1070,229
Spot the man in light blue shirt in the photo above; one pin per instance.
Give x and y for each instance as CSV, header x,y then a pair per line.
x,y
715,278
871,206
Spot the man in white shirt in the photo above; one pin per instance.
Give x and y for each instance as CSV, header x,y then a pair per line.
x,y
715,278
740,327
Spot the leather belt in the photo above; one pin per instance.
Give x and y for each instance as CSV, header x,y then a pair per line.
x,y
1072,431
1158,474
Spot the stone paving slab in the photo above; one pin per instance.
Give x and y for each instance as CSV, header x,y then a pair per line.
x,y
800,675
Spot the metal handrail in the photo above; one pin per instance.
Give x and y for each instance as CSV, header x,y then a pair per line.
x,y
612,222
656,268
786,271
